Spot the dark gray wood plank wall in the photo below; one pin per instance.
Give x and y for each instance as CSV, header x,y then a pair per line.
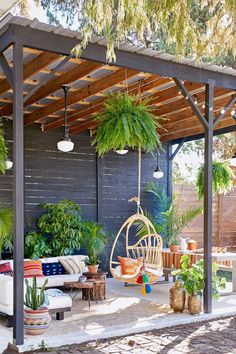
x,y
51,175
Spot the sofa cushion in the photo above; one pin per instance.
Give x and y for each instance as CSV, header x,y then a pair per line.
x,y
5,268
72,265
53,268
33,269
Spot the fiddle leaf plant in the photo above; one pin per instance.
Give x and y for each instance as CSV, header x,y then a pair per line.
x,y
126,122
222,178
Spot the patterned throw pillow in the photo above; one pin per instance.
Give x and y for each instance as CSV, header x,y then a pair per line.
x,y
130,266
33,269
54,268
72,265
5,268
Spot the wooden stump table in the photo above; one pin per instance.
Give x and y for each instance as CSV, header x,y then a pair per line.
x,y
76,285
99,291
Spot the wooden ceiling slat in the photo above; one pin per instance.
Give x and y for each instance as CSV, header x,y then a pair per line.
x,y
81,94
143,85
31,68
182,132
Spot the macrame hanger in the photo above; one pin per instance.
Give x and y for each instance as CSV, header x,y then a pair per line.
x,y
139,209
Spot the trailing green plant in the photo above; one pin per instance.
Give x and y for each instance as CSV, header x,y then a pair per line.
x,y
6,222
37,245
166,218
62,224
222,178
192,277
126,122
3,152
94,240
34,296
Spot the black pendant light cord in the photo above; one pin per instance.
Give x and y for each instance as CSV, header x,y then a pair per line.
x,y
65,89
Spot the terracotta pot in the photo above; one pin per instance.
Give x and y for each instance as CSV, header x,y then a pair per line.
x,y
195,304
174,248
36,322
192,245
177,297
93,268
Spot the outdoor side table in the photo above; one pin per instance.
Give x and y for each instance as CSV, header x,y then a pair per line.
x,y
99,292
76,285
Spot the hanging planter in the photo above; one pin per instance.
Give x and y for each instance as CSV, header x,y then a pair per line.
x,y
126,122
222,179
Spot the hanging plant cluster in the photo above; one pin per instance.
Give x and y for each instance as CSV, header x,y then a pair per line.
x,y
126,122
222,178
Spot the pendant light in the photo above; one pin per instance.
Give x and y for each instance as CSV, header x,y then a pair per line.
x,y
65,144
9,162
158,173
123,151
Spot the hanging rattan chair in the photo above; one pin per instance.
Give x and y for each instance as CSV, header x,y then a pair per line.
x,y
149,247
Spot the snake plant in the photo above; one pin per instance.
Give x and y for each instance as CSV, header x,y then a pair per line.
x,y
34,297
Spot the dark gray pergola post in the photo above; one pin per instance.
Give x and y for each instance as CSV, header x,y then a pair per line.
x,y
169,171
18,193
208,149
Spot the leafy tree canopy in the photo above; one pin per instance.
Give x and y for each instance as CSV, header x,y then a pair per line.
x,y
198,28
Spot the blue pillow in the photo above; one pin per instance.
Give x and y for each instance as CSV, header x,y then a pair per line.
x,y
52,269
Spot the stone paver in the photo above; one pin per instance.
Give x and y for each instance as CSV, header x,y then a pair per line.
x,y
199,338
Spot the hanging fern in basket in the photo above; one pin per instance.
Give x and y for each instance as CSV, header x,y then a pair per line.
x,y
222,178
126,122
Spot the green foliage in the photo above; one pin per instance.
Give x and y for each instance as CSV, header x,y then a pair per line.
x,y
222,178
94,239
6,221
126,122
195,28
167,220
3,152
37,245
34,296
192,277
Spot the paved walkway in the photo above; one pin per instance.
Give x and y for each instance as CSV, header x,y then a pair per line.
x,y
200,338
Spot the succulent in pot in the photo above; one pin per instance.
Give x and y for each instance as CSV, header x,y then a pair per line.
x,y
36,314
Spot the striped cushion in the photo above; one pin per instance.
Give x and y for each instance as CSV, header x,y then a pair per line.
x,y
33,269
72,265
5,268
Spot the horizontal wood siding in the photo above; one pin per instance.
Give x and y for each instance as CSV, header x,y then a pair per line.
x,y
102,186
224,221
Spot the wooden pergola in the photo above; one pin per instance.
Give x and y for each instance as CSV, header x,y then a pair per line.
x,y
36,61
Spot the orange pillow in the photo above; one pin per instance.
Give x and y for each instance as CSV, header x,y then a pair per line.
x,y
129,266
33,269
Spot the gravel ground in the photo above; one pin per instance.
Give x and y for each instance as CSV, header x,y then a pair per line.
x,y
212,337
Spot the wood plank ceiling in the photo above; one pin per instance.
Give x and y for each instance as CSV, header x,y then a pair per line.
x,y
45,73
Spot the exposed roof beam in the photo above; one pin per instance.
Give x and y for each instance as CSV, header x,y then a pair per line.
x,y
59,43
97,106
80,94
30,69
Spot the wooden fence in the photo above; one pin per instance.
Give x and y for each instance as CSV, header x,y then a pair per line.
x,y
224,216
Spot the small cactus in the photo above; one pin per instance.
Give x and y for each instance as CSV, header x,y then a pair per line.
x,y
34,296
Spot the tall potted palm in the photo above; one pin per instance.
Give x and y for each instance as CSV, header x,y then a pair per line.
x,y
6,220
94,239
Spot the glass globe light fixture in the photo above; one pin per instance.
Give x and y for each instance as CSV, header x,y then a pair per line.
x,y
65,144
123,151
158,173
9,164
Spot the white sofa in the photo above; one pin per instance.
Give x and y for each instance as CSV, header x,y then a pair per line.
x,y
6,287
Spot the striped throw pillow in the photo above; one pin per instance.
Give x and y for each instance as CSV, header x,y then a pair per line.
x,y
72,265
33,269
5,268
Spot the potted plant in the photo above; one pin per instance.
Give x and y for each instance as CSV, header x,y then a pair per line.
x,y
36,315
94,240
6,220
166,217
222,178
191,277
126,122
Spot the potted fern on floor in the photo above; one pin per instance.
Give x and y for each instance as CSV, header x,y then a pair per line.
x,y
36,315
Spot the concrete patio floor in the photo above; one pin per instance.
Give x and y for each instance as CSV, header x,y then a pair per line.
x,y
124,312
